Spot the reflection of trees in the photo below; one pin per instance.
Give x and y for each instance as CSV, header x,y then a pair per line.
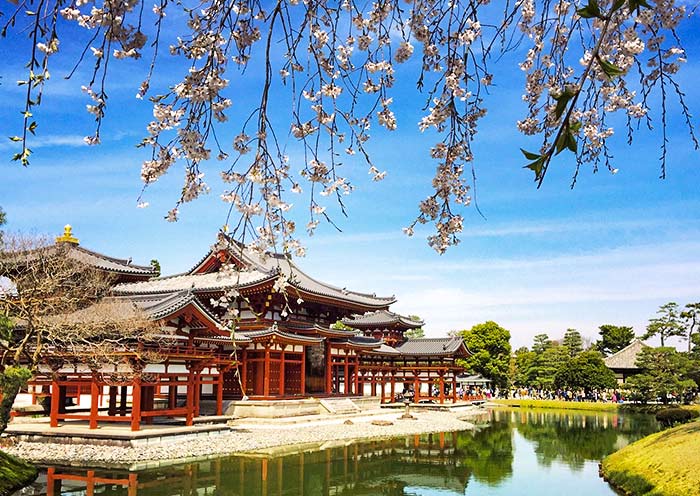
x,y
487,452
574,438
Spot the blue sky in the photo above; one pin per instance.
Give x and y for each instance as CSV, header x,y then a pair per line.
x,y
609,251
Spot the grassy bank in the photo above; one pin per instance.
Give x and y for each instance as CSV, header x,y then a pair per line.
x,y
663,464
14,474
566,405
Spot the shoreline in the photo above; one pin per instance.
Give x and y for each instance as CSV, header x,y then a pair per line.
x,y
664,463
243,439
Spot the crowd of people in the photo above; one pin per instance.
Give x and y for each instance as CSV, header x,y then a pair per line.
x,y
612,396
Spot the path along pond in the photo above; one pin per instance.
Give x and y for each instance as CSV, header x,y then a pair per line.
x,y
512,452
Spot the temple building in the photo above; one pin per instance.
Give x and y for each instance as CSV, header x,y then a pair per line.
x,y
285,344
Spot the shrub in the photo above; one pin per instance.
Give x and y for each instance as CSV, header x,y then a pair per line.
x,y
672,416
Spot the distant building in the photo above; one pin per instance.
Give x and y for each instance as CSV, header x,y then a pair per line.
x,y
624,362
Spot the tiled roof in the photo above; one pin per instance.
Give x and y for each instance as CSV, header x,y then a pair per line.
x,y
274,264
385,349
626,358
109,264
380,318
431,346
364,342
215,281
272,331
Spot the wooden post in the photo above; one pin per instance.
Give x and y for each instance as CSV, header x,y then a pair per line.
x,y
133,484
303,370
112,406
220,391
94,401
55,400
416,387
172,393
266,372
357,377
281,388
392,390
454,387
122,401
90,489
136,403
329,368
50,479
381,386
441,386
346,379
244,370
197,389
190,395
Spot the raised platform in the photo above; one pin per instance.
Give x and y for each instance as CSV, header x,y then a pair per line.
x,y
78,432
297,408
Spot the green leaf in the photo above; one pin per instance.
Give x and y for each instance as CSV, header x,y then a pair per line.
x,y
575,127
610,69
591,10
617,5
637,4
530,155
571,142
562,101
537,167
32,127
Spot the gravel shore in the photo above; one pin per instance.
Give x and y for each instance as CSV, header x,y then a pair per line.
x,y
243,438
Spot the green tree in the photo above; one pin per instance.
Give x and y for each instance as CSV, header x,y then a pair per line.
x,y
489,345
613,338
665,371
585,371
156,266
691,321
416,333
573,342
548,363
667,325
541,343
524,367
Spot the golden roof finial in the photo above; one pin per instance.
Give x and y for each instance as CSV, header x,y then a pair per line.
x,y
67,236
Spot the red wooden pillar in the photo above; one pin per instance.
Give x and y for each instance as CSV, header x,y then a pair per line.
x,y
266,372
454,388
90,489
197,390
133,484
416,388
282,371
381,386
172,393
392,389
220,391
94,401
55,401
329,368
50,479
347,374
441,386
357,376
243,370
190,395
136,403
303,371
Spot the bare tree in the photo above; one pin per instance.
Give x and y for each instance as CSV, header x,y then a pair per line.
x,y
52,306
338,62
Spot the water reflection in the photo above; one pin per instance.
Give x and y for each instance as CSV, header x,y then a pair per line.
x,y
484,461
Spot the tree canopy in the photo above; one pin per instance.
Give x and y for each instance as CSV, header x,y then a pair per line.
x,y
585,371
573,342
489,345
613,338
667,325
665,372
587,67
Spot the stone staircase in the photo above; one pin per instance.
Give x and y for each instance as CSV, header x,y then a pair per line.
x,y
340,406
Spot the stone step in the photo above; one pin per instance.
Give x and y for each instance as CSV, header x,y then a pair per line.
x,y
340,406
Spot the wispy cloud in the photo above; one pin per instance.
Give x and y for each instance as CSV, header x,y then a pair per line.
x,y
71,140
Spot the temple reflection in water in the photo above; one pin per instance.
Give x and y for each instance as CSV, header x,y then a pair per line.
x,y
386,467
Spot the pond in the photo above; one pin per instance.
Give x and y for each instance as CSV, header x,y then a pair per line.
x,y
523,452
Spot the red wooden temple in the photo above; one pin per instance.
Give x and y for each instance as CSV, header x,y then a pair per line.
x,y
285,344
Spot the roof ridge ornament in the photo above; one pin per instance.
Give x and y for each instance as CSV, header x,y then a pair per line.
x,y
67,236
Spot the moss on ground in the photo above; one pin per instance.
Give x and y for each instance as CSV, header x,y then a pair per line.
x,y
663,464
566,405
14,474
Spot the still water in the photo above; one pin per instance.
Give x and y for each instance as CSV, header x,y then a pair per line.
x,y
513,452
